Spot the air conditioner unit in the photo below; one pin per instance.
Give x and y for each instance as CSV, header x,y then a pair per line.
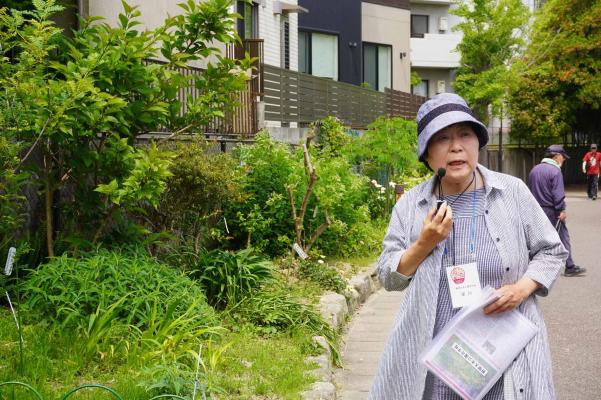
x,y
443,24
441,87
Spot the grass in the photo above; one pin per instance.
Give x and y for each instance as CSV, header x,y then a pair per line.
x,y
243,365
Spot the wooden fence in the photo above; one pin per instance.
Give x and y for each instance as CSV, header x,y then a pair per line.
x,y
291,96
242,120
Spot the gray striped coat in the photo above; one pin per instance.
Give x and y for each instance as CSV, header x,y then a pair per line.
x,y
528,246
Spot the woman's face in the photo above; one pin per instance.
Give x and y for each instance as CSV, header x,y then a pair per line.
x,y
454,148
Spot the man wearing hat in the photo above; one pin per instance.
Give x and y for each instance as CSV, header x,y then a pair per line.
x,y
590,166
546,184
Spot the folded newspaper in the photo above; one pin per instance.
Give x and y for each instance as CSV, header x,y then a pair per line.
x,y
473,350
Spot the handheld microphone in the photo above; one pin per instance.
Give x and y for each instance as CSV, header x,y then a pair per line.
x,y
439,175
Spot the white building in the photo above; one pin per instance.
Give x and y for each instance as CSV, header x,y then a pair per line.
x,y
433,43
276,22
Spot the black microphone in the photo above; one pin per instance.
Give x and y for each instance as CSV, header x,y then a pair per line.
x,y
439,175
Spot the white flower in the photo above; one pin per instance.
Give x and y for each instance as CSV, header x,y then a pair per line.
x,y
320,261
322,256
374,182
391,184
382,189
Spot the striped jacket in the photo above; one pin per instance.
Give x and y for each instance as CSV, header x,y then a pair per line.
x,y
528,246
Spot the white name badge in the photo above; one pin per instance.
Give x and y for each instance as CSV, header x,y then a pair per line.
x,y
464,284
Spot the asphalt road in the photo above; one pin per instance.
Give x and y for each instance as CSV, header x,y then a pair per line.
x,y
573,308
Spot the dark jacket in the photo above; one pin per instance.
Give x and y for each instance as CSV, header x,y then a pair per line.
x,y
546,184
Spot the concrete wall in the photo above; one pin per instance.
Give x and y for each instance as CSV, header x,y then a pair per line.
x,y
391,26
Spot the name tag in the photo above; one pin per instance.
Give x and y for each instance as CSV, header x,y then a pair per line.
x,y
464,284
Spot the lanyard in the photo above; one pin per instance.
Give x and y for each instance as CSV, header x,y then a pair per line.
x,y
472,245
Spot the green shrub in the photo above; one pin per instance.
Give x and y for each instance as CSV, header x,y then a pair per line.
x,y
201,183
263,219
135,288
326,276
227,277
277,310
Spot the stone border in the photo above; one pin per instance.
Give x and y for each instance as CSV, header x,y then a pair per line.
x,y
336,308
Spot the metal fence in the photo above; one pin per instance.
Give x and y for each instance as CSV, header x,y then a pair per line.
x,y
292,96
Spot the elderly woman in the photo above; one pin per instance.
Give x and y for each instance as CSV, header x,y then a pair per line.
x,y
491,226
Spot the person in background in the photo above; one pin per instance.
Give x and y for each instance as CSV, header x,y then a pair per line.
x,y
480,230
546,184
590,166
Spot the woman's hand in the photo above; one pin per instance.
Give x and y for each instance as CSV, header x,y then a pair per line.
x,y
437,226
511,296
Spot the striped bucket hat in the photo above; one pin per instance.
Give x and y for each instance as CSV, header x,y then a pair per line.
x,y
441,111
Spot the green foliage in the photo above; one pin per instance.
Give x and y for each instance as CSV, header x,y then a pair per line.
x,y
276,310
389,143
263,220
119,300
11,198
331,135
326,276
558,85
82,101
415,78
228,277
200,186
492,36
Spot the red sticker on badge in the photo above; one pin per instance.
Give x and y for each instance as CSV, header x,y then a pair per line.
x,y
458,275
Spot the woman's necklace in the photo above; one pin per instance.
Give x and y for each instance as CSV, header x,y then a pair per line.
x,y
464,190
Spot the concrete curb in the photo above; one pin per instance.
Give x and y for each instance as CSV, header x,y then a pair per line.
x,y
336,309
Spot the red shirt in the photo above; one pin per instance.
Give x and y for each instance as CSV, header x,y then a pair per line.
x,y
592,162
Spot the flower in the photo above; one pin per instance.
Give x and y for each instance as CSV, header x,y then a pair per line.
x,y
374,182
320,261
382,189
391,184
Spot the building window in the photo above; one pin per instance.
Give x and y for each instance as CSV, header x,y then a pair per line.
x,y
304,52
421,89
318,54
377,65
285,41
248,25
419,26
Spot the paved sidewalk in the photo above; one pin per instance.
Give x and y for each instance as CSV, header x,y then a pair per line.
x,y
364,343
572,313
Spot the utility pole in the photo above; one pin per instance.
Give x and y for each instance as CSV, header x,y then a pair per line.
x,y
500,152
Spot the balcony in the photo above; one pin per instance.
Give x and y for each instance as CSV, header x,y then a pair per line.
x,y
435,51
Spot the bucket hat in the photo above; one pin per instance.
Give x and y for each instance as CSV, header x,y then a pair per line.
x,y
593,146
557,149
441,111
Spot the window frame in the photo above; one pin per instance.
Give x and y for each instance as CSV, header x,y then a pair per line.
x,y
309,51
377,46
420,35
427,82
241,8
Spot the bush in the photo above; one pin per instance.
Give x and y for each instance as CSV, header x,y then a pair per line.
x,y
201,184
326,276
276,310
227,277
263,219
114,288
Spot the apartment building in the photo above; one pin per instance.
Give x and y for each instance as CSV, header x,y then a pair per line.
x,y
274,22
357,42
433,43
